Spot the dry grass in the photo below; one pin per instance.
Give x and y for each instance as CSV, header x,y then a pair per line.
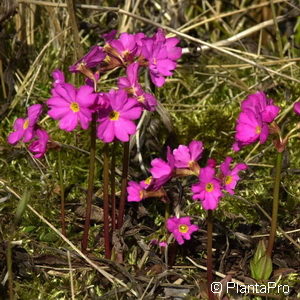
x,y
231,49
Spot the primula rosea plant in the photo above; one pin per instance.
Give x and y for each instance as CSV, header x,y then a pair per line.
x,y
112,116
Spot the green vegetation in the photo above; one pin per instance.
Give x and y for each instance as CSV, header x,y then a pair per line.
x,y
200,101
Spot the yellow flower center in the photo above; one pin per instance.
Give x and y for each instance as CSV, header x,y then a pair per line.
x,y
74,107
183,228
141,99
228,179
209,187
26,124
148,180
107,59
258,129
125,53
114,115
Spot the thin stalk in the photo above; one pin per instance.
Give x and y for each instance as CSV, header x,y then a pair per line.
x,y
9,270
106,201
62,195
84,241
277,178
277,31
78,47
113,187
209,254
123,184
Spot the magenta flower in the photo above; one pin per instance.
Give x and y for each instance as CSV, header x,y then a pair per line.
x,y
185,156
94,57
134,191
70,106
130,83
24,128
147,101
208,189
132,87
116,121
146,182
173,52
39,146
100,103
181,228
163,244
158,62
151,184
162,171
58,77
250,128
231,177
127,44
108,37
252,124
260,104
158,243
297,108
161,55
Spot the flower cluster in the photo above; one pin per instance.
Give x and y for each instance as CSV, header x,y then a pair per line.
x,y
209,188
183,161
27,130
252,125
114,111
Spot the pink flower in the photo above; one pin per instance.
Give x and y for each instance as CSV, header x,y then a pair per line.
x,y
160,244
249,129
208,190
162,171
39,146
134,191
151,184
252,124
93,58
181,228
70,106
260,104
158,62
231,177
127,45
161,55
173,52
185,156
163,244
130,83
24,128
132,87
297,108
116,121
58,77
108,37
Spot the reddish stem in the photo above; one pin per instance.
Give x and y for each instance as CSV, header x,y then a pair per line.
x,y
106,201
84,241
113,188
123,185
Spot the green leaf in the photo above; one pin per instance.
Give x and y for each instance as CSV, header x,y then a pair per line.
x,y
261,264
